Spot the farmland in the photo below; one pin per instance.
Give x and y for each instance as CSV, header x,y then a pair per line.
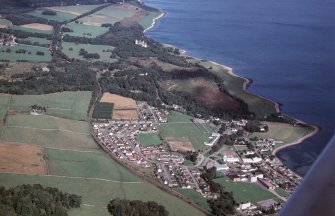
x,y
72,51
75,163
81,30
60,16
283,132
5,23
70,105
21,159
34,30
13,56
181,127
110,14
146,21
245,192
37,40
103,111
75,10
149,139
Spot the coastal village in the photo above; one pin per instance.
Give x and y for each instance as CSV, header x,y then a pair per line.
x,y
248,161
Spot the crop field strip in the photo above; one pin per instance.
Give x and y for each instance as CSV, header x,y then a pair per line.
x,y
90,173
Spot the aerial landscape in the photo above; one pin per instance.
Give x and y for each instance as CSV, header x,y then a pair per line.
x,y
108,108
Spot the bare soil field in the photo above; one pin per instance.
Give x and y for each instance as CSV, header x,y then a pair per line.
x,y
205,91
22,158
124,114
179,144
120,103
38,26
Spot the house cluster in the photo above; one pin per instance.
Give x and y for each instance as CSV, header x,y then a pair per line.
x,y
233,126
141,43
7,40
213,139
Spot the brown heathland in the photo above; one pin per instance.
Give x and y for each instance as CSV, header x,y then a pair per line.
x,y
179,144
38,26
119,102
22,158
124,115
205,91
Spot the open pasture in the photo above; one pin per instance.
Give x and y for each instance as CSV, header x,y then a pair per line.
x,y
148,139
205,91
5,23
118,101
245,192
60,16
12,56
37,40
147,21
111,14
97,193
22,158
72,51
283,132
33,30
75,10
81,30
38,26
70,105
178,117
88,165
194,196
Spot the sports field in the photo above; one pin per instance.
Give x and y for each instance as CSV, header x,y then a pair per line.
x,y
81,30
13,56
283,132
72,51
148,139
180,127
245,192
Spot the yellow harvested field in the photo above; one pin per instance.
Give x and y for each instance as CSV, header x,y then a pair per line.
x,y
38,26
22,158
179,144
120,103
125,115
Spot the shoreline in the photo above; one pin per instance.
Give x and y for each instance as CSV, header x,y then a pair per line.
x,y
162,13
245,86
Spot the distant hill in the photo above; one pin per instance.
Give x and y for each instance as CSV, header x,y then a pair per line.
x,y
47,3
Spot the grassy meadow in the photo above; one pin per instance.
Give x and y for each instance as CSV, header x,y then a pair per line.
x,y
12,56
72,51
15,27
146,21
245,192
149,139
81,30
37,40
60,16
194,196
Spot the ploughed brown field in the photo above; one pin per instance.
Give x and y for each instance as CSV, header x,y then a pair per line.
x,y
205,91
124,115
179,144
124,108
22,158
38,26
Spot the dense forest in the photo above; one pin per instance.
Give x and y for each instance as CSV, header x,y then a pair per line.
x,y
122,207
36,200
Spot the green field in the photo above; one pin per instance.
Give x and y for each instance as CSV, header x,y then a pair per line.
x,y
178,117
97,193
194,196
234,86
12,56
83,168
5,22
75,10
4,100
74,53
245,192
110,14
81,30
88,165
60,16
37,40
283,132
281,192
70,105
146,21
148,139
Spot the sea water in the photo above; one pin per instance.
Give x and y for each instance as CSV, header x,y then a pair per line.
x,y
286,47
